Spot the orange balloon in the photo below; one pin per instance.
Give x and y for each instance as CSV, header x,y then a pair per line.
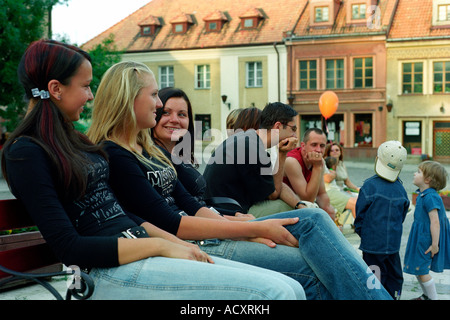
x,y
328,104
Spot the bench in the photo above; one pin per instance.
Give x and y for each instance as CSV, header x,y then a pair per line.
x,y
26,257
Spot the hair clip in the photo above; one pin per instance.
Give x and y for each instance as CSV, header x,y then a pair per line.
x,y
43,94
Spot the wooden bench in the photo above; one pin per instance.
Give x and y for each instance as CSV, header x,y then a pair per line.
x,y
26,257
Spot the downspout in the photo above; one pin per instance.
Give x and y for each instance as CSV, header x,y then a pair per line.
x,y
278,69
290,47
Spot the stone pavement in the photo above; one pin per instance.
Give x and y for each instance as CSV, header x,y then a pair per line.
x,y
358,171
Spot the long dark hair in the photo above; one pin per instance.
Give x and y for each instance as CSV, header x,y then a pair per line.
x,y
45,124
165,94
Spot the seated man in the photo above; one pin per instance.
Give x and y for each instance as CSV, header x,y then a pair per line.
x,y
304,170
240,168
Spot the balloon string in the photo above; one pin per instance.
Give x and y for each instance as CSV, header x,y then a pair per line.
x,y
326,127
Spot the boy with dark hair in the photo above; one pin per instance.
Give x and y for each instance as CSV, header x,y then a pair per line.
x,y
240,168
277,112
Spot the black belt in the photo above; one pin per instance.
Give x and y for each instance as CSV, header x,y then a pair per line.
x,y
133,233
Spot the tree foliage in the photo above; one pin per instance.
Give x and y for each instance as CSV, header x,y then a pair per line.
x,y
22,22
103,56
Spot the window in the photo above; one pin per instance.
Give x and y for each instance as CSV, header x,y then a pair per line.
x,y
166,78
205,133
248,23
363,73
321,14
412,75
363,130
441,78
335,74
202,77
178,28
359,11
412,137
146,30
444,12
308,74
441,82
254,74
212,26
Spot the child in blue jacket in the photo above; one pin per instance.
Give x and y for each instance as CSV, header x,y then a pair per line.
x,y
380,211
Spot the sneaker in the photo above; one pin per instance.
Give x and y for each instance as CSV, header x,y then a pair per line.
x,y
422,297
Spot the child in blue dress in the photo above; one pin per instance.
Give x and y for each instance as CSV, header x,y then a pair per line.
x,y
428,245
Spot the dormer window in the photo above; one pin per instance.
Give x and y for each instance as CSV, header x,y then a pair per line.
x,y
179,28
323,12
149,26
441,14
249,23
251,18
358,11
181,23
215,21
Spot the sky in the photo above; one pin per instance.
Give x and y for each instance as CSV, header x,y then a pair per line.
x,y
81,20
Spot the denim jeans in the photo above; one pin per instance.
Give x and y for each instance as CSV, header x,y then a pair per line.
x,y
325,264
177,279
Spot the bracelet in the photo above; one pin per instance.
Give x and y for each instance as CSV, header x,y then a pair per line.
x,y
299,203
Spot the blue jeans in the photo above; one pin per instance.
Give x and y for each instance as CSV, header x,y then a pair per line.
x,y
325,264
177,279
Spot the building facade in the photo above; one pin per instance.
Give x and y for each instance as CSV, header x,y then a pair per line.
x,y
387,61
341,46
418,75
225,54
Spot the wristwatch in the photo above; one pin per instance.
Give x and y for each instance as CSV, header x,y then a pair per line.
x,y
299,203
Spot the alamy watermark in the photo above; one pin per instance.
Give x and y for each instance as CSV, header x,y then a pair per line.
x,y
74,280
374,17
373,281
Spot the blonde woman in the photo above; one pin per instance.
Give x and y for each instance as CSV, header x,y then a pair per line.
x,y
124,108
62,179
147,185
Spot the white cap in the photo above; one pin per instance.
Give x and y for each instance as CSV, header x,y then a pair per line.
x,y
390,160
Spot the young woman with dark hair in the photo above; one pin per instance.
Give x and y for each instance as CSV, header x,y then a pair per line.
x,y
62,179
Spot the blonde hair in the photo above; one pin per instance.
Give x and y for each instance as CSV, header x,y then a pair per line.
x,y
436,173
113,114
231,118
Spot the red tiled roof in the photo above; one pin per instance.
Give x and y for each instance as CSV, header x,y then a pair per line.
x,y
341,26
252,12
215,15
413,19
182,18
278,17
150,21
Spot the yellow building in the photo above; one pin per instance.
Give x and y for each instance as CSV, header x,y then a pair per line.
x,y
224,57
418,79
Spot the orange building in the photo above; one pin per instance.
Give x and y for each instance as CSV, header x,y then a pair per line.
x,y
341,46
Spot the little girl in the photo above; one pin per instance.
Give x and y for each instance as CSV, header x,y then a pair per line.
x,y
428,245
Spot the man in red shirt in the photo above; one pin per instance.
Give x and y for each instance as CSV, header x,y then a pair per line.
x,y
304,169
